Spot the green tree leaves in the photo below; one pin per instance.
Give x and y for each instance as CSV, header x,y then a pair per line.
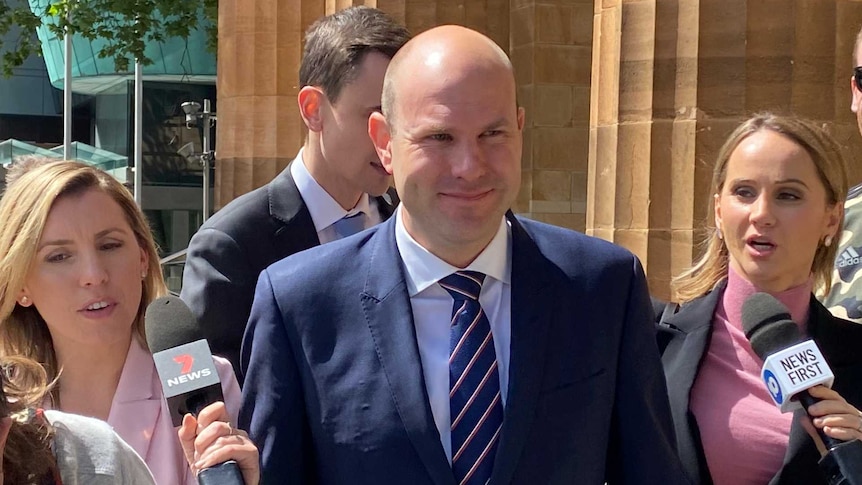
x,y
126,26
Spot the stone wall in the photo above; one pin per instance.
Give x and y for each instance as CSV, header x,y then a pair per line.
x,y
627,100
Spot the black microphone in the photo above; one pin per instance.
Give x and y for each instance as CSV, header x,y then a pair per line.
x,y
791,366
187,372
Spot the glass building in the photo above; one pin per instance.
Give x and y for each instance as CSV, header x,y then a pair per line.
x,y
31,121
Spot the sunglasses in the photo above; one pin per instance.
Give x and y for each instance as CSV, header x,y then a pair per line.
x,y
857,77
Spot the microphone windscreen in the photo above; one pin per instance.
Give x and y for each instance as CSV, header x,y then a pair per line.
x,y
768,325
169,323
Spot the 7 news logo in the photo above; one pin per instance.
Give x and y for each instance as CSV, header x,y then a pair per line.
x,y
186,362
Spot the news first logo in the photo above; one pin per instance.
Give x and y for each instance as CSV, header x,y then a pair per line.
x,y
792,370
186,374
773,386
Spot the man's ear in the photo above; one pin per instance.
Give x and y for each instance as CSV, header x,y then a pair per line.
x,y
378,130
310,100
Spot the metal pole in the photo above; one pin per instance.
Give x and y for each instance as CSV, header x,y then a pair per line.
x,y
139,131
67,90
205,157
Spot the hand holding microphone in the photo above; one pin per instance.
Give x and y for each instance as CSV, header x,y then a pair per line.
x,y
795,371
209,439
220,454
838,418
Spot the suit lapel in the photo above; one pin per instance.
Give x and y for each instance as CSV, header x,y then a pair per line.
x,y
136,406
534,293
691,328
389,315
287,207
387,203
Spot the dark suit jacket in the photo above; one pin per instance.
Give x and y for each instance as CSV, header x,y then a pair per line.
x,y
227,254
335,393
684,338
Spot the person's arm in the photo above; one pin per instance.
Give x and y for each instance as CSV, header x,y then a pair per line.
x,y
643,444
90,451
218,287
131,467
273,406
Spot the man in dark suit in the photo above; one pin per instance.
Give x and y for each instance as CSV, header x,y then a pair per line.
x,y
321,196
456,343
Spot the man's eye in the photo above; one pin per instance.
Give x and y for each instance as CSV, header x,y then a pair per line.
x,y
440,137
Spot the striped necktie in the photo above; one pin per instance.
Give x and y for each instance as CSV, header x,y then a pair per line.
x,y
350,224
476,411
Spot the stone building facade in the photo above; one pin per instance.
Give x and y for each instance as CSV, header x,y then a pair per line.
x,y
627,101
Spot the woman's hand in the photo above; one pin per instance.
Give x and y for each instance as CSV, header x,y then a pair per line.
x,y
210,440
834,415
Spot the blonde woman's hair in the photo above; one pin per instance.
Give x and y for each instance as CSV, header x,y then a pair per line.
x,y
712,266
24,210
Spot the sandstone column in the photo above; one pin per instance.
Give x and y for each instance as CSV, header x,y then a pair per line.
x,y
551,53
672,78
259,130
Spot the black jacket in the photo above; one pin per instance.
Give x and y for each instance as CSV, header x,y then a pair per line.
x,y
683,339
239,241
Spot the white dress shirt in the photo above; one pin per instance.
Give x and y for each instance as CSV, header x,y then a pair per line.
x,y
432,313
325,211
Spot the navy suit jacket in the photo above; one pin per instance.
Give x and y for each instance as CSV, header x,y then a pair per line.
x,y
334,388
227,254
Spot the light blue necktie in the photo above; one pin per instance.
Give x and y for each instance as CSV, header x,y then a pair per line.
x,y
350,225
476,411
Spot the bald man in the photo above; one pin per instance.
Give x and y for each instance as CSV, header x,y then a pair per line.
x,y
456,343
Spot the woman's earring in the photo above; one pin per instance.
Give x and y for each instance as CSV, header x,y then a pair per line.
x,y
719,234
827,241
143,274
25,301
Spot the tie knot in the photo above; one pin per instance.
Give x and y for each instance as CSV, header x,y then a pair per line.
x,y
350,224
464,285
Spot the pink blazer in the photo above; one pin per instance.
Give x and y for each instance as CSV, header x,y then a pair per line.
x,y
139,414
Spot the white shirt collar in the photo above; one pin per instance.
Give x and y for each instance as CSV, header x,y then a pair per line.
x,y
324,210
423,269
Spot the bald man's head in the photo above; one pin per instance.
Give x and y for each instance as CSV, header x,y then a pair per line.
x,y
448,52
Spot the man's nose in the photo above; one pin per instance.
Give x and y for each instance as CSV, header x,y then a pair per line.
x,y
469,161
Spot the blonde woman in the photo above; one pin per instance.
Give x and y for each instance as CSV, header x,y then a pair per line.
x,y
777,188
78,267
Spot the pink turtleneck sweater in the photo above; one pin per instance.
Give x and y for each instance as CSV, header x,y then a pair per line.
x,y
743,433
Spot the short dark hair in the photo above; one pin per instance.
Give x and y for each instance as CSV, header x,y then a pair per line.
x,y
335,46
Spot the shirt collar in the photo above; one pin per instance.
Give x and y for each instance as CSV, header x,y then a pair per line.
x,y
423,269
324,210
